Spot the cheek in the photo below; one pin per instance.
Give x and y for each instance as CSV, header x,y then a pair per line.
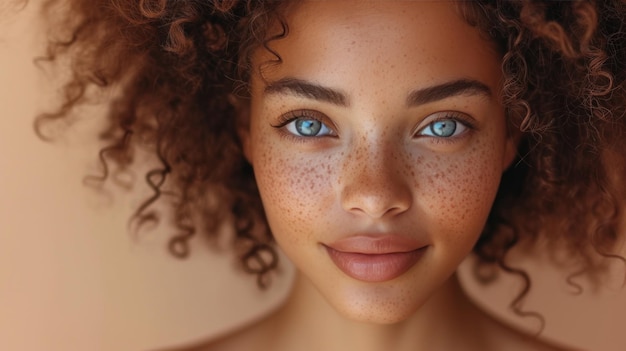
x,y
458,192
296,191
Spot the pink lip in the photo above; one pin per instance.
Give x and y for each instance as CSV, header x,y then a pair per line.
x,y
375,258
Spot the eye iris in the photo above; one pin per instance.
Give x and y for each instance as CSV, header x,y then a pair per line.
x,y
443,128
308,127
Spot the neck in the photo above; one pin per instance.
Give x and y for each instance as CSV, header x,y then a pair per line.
x,y
308,321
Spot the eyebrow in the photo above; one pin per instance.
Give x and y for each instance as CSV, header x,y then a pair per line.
x,y
306,89
418,97
446,90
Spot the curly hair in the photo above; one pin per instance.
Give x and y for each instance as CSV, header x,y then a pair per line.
x,y
176,65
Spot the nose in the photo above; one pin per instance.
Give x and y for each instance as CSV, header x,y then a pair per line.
x,y
374,183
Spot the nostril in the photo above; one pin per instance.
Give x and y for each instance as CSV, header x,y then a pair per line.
x,y
376,203
375,187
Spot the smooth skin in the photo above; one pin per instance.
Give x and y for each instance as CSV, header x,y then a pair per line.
x,y
382,118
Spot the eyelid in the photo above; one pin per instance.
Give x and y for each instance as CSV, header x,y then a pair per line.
x,y
460,117
291,116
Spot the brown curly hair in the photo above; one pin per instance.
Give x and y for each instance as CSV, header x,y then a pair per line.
x,y
176,65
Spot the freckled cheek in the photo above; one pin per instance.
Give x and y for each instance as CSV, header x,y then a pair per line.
x,y
296,191
458,192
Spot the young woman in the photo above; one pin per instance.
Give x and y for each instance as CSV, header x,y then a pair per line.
x,y
377,143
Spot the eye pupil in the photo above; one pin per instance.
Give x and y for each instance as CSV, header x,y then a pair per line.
x,y
443,128
308,127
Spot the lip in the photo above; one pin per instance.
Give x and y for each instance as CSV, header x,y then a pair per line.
x,y
375,258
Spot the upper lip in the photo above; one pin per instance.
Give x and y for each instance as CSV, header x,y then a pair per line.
x,y
376,244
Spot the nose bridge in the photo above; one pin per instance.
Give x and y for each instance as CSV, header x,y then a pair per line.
x,y
374,182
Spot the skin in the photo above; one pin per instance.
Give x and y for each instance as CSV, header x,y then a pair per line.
x,y
377,169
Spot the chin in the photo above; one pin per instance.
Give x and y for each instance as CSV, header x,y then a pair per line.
x,y
378,308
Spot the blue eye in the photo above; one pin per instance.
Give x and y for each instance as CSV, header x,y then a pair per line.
x,y
307,127
443,128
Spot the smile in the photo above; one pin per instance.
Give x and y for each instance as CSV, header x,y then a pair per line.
x,y
373,265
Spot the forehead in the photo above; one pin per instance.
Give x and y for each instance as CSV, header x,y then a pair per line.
x,y
403,42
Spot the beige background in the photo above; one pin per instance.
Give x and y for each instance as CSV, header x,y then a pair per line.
x,y
72,278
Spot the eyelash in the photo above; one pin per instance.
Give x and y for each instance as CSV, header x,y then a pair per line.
x,y
293,116
458,117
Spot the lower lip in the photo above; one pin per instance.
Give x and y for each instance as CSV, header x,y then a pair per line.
x,y
375,267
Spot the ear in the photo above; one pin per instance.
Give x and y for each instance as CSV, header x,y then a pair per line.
x,y
242,115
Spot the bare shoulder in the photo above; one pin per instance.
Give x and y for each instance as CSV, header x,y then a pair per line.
x,y
505,337
249,337
259,335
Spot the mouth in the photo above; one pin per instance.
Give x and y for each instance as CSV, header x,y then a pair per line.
x,y
371,259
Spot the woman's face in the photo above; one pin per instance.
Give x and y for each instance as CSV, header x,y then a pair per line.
x,y
378,144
